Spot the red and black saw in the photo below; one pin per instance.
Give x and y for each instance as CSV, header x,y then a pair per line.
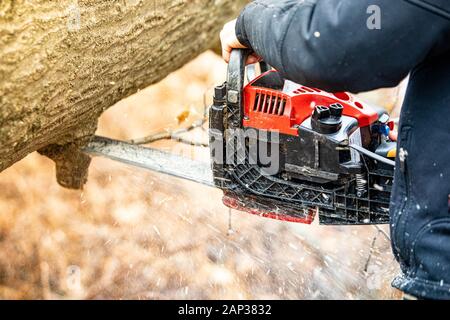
x,y
285,151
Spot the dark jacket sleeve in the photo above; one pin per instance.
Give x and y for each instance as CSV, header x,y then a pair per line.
x,y
327,43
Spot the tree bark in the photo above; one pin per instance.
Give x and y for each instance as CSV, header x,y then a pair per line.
x,y
62,63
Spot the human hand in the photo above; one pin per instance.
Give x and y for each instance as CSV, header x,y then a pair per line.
x,y
230,41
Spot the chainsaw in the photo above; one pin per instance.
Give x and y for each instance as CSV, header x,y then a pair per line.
x,y
284,151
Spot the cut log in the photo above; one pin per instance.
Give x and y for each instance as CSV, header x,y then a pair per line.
x,y
62,63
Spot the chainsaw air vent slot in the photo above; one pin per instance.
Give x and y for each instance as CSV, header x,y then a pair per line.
x,y
307,89
304,89
269,104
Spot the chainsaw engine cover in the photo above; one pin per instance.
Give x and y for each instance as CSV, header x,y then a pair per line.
x,y
282,150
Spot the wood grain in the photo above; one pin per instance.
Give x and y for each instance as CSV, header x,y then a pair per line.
x,y
62,63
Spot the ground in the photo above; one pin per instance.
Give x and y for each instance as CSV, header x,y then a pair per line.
x,y
133,234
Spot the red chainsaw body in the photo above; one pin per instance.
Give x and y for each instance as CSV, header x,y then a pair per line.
x,y
272,109
317,172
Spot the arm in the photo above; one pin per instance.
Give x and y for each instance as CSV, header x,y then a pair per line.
x,y
327,44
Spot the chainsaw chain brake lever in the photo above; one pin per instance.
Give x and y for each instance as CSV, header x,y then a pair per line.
x,y
236,77
238,60
236,80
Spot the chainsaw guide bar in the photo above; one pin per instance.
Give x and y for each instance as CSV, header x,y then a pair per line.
x,y
151,159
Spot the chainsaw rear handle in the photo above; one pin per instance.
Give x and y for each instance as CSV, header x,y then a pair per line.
x,y
236,78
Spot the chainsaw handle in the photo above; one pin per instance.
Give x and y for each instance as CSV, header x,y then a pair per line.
x,y
237,67
236,73
235,83
236,78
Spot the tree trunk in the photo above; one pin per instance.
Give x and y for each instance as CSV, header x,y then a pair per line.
x,y
62,63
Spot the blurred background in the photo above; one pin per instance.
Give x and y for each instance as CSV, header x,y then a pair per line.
x,y
134,234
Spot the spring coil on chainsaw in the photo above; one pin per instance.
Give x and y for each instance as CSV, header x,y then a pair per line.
x,y
361,184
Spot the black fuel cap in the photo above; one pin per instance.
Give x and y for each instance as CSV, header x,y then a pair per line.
x,y
321,112
336,110
327,120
